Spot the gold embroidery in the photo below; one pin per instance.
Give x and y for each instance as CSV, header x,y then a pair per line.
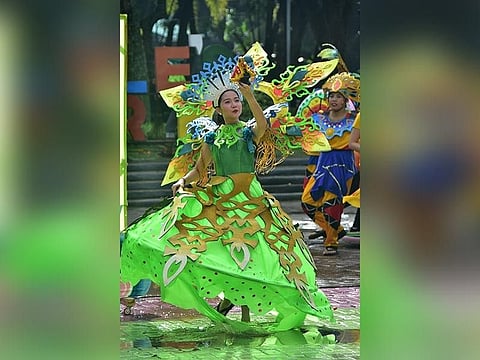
x,y
215,220
172,216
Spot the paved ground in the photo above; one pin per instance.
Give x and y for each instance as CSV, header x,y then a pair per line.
x,y
159,330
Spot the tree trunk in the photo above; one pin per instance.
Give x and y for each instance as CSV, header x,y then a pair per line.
x,y
269,41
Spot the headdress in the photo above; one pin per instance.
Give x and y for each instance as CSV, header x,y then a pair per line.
x,y
213,81
330,52
201,95
348,84
296,80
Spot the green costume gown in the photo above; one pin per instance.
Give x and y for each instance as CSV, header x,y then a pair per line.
x,y
230,236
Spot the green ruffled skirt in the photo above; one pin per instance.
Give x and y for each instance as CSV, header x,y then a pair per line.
x,y
231,237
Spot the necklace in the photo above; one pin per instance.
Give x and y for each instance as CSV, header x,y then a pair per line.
x,y
228,134
335,128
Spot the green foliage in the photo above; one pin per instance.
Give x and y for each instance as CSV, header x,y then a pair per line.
x,y
172,6
218,9
235,26
154,130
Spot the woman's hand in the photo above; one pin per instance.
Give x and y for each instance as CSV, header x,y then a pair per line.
x,y
245,89
180,184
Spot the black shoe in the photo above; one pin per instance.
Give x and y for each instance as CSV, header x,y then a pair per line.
x,y
224,311
322,233
317,234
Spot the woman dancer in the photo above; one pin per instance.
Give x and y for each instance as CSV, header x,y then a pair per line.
x,y
323,194
223,235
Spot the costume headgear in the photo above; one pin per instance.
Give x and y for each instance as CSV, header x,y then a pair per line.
x,y
214,80
201,95
330,52
347,84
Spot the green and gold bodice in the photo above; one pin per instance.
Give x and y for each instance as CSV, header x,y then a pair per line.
x,y
232,149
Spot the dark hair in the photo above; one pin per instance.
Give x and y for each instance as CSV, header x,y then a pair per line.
x,y
337,92
239,94
218,118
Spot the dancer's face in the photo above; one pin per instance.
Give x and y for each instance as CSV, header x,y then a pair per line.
x,y
337,101
230,106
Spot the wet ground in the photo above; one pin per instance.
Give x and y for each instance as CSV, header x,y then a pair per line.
x,y
158,330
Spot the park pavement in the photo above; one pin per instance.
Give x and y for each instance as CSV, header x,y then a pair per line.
x,y
159,330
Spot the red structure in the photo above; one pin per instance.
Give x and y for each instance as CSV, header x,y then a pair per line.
x,y
165,67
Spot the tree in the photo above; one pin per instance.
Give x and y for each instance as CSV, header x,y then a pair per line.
x,y
141,15
237,25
